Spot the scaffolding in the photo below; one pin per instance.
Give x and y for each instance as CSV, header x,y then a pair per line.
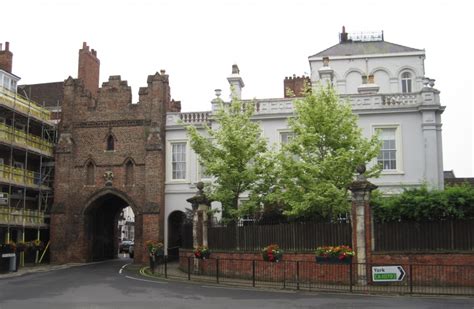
x,y
29,184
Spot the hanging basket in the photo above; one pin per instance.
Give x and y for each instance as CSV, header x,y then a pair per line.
x,y
333,260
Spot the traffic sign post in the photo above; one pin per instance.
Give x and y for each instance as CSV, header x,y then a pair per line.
x,y
388,273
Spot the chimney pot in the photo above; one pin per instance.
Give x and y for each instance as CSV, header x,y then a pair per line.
x,y
7,46
343,36
235,69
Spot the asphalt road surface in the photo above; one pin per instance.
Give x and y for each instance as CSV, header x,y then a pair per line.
x,y
101,285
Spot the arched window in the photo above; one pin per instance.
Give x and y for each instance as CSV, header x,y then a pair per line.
x,y
406,82
129,174
90,174
110,143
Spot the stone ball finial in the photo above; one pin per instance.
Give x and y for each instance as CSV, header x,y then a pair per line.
x,y
361,169
200,186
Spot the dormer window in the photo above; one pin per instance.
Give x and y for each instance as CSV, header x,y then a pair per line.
x,y
110,143
406,82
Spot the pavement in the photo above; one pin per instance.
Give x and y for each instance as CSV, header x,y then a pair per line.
x,y
41,268
38,268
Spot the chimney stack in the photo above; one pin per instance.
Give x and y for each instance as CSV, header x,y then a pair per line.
x,y
343,36
89,68
295,86
6,58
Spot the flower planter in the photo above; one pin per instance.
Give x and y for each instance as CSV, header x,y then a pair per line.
x,y
6,248
272,253
202,256
274,260
202,252
333,260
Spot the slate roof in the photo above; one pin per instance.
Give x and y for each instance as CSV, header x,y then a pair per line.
x,y
47,94
364,48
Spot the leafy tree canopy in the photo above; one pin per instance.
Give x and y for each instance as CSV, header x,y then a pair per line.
x,y
315,168
230,152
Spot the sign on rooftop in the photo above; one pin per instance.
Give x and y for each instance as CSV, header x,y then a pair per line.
x,y
372,36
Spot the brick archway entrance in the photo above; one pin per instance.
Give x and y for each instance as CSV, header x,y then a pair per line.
x,y
101,216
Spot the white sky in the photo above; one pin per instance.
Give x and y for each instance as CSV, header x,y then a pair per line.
x,y
197,42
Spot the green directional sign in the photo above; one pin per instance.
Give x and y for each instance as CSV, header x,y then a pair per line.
x,y
388,273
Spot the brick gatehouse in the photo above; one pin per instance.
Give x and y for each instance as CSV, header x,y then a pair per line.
x,y
110,155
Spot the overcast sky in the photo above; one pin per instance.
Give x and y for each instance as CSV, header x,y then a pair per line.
x,y
197,42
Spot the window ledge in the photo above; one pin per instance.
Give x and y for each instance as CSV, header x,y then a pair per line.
x,y
392,172
177,181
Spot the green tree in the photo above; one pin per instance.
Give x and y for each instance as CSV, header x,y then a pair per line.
x,y
319,163
230,152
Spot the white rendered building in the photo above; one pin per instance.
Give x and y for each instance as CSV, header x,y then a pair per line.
x,y
386,85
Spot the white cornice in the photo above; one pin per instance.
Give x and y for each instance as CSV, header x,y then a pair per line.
x,y
389,55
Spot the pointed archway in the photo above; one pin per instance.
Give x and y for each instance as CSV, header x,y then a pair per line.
x,y
101,215
101,226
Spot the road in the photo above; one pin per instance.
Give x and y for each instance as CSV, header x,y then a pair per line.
x,y
101,285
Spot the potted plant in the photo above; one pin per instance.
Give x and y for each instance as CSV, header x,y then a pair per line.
x,y
154,249
272,253
37,245
9,247
22,246
202,252
334,255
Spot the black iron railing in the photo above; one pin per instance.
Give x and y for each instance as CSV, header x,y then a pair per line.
x,y
312,276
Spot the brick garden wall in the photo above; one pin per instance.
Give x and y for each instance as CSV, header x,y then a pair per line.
x,y
453,269
293,265
428,269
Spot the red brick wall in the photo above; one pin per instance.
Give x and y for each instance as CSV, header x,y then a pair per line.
x,y
296,84
88,69
451,269
427,269
239,265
